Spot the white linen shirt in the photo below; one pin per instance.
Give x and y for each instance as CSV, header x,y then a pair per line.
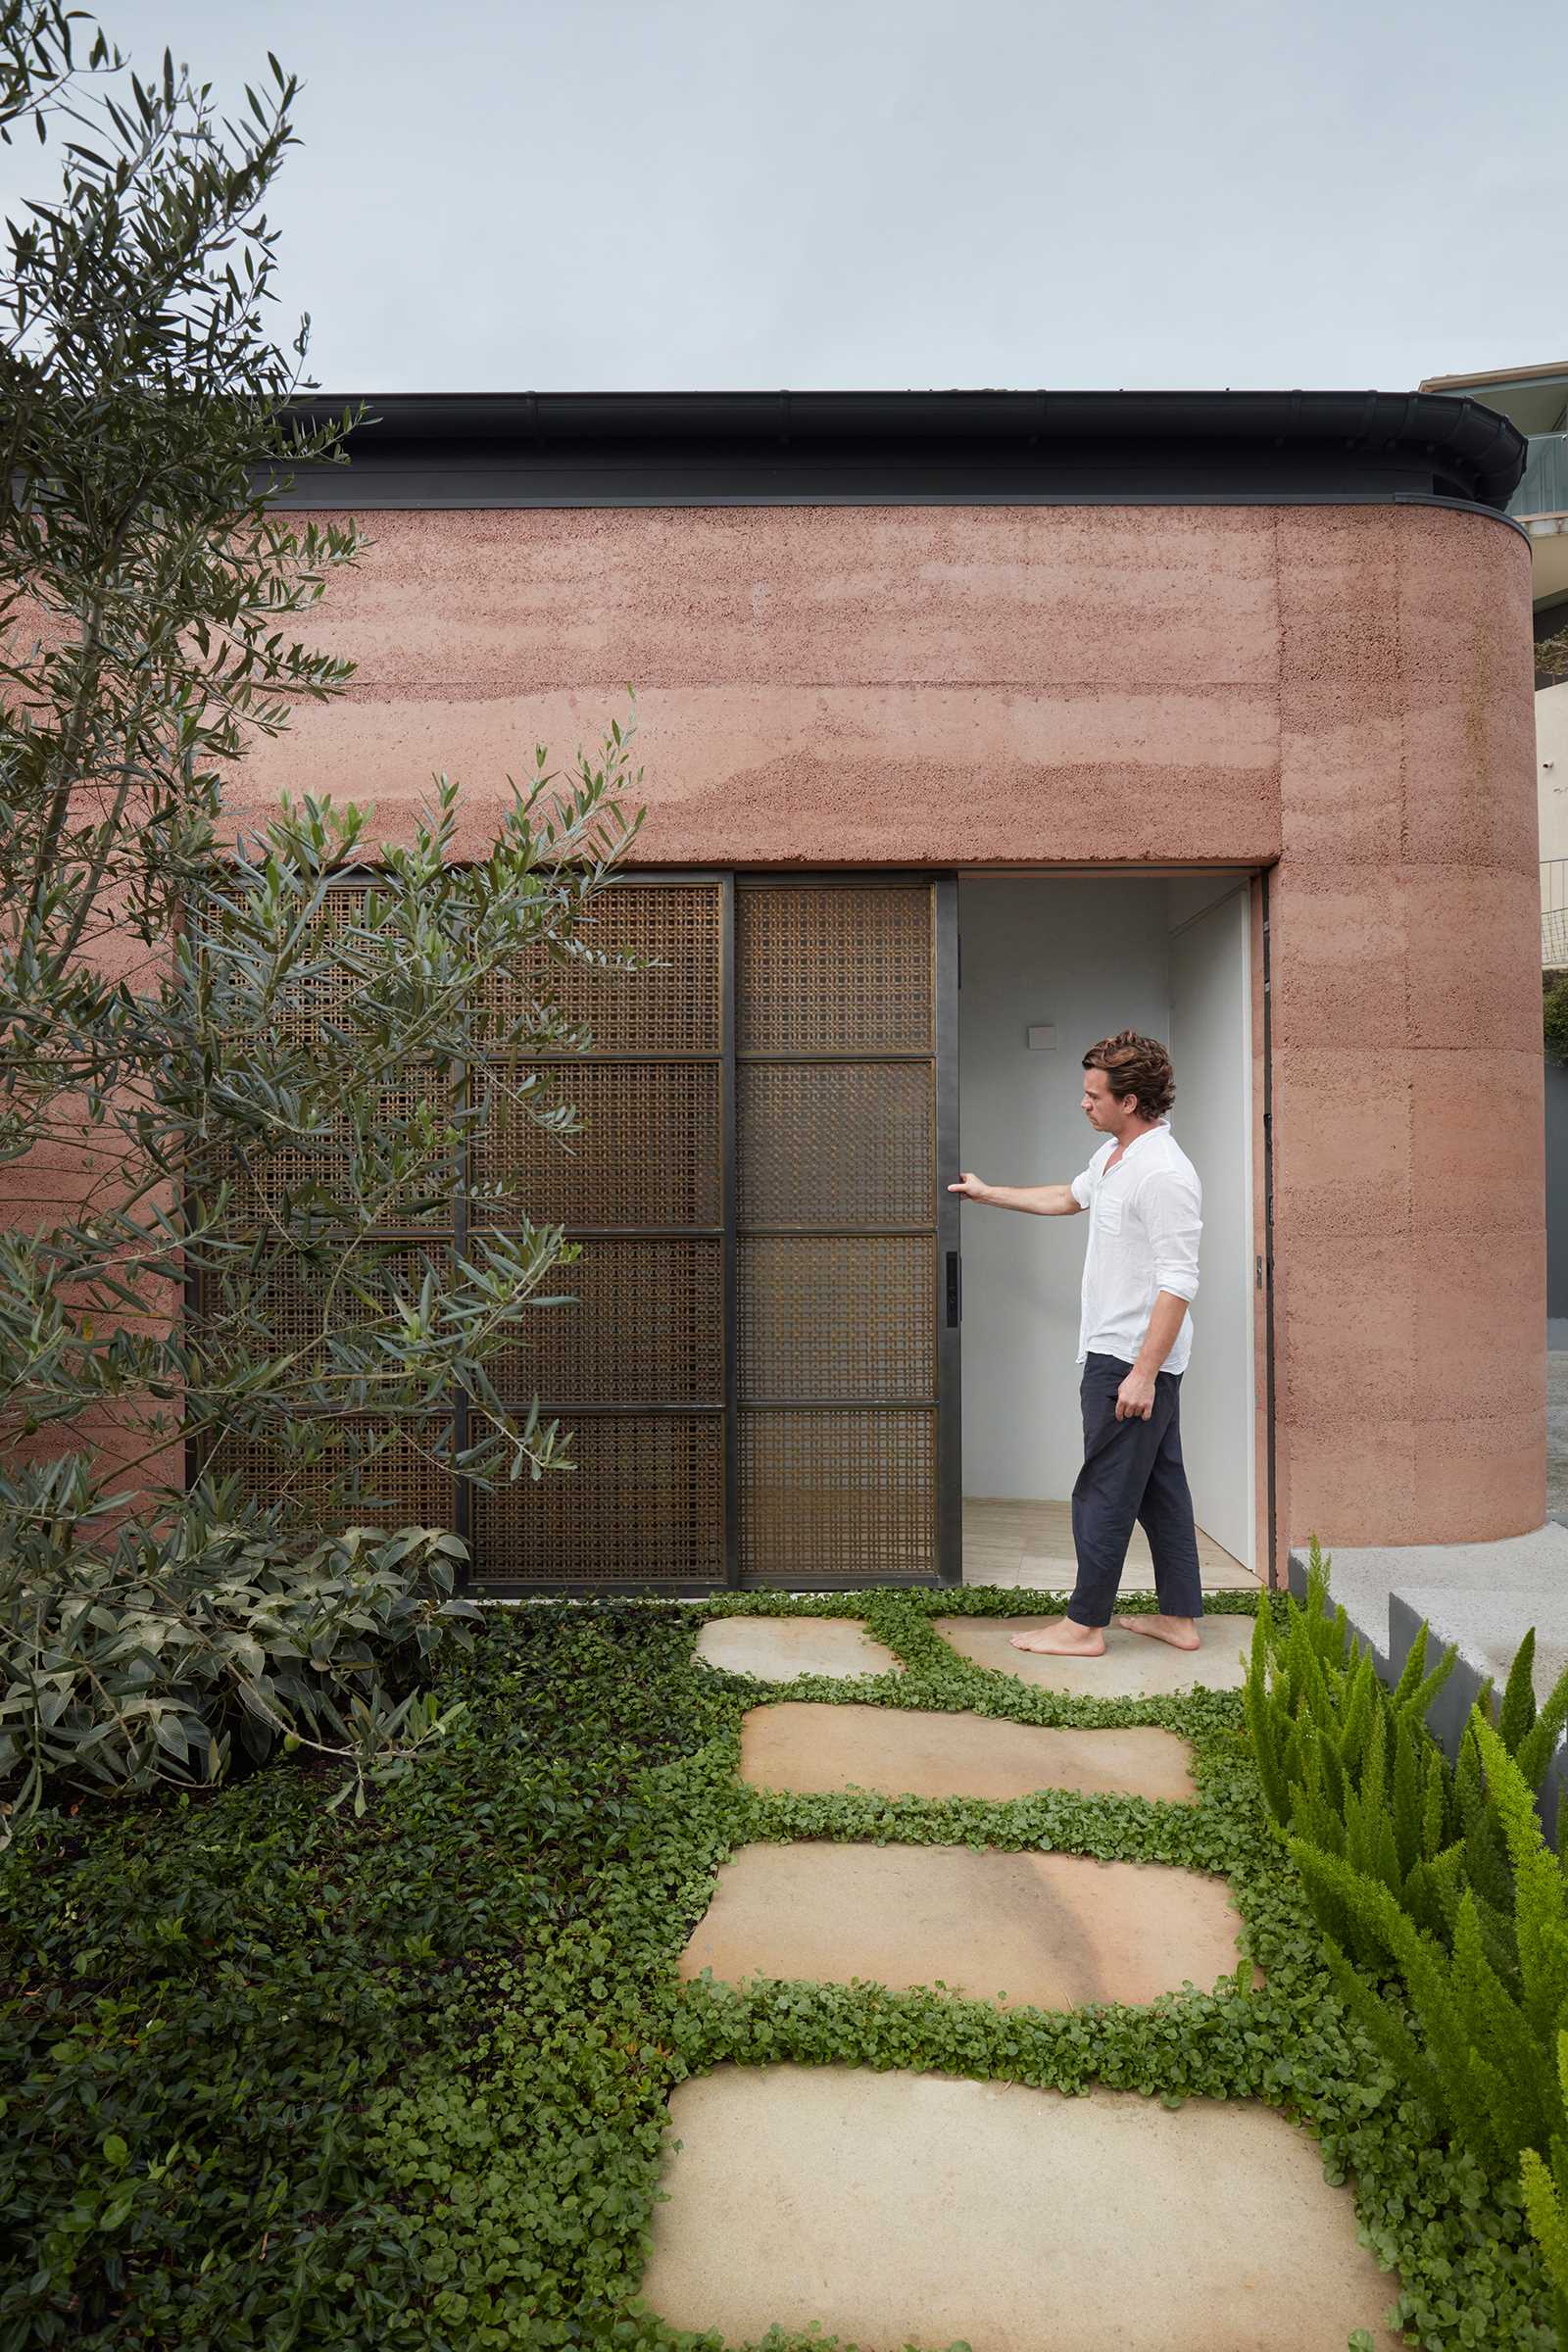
x,y
1145,1217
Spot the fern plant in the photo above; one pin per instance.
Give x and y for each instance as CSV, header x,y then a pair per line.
x,y
1479,2053
1441,1879
1546,2194
1349,1768
1351,1771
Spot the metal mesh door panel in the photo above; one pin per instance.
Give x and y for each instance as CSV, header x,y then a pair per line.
x,y
825,1144
673,1005
642,1184
835,1120
646,1326
757,1330
309,1005
834,970
407,1484
302,1302
648,1153
644,1505
837,1315
837,1498
320,1160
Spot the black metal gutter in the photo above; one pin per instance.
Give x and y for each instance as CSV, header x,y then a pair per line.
x,y
457,449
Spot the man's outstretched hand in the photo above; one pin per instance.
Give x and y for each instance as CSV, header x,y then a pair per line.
x,y
972,1187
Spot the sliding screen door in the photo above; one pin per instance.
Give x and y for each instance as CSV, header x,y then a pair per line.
x,y
635,1368
842,1282
757,1367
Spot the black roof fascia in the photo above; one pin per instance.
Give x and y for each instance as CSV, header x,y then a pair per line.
x,y
462,449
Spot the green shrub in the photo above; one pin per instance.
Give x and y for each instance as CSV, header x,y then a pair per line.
x,y
1546,2194
1554,1014
1442,1879
150,1660
1348,1769
1352,1773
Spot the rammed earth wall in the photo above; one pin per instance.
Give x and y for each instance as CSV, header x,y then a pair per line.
x,y
1339,695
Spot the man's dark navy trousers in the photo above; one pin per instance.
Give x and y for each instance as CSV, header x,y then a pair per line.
x,y
1132,1476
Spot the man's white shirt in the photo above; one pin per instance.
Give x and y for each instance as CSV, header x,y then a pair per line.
x,y
1145,1218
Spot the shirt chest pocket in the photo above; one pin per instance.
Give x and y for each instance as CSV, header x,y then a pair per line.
x,y
1109,1207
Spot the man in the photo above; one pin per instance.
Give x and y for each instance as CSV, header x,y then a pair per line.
x,y
1145,1206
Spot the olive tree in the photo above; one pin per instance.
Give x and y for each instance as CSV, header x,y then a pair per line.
x,y
220,1075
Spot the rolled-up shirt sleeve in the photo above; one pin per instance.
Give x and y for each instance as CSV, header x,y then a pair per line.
x,y
1173,1220
1081,1185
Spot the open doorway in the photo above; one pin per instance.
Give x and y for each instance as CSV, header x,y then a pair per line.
x,y
1049,965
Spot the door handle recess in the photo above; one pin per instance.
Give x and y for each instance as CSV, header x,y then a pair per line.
x,y
954,1305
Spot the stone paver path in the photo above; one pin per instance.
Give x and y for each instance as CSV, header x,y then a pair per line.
x,y
897,1752
1132,1667
899,2209
1050,1929
892,2207
777,1649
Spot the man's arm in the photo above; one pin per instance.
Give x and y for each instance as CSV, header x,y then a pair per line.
x,y
1035,1199
1175,1223
1165,1322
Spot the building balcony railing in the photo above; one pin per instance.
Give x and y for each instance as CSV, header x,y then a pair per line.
x,y
1544,489
1554,913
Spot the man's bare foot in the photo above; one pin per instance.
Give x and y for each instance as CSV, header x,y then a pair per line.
x,y
1179,1632
1063,1637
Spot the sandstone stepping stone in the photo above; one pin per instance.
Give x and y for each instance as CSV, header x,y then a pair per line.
x,y
906,1751
1050,1930
1133,1666
910,2208
778,1648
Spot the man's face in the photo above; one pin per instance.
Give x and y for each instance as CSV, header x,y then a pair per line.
x,y
1100,1107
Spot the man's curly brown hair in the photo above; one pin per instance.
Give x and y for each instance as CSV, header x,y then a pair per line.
x,y
1136,1065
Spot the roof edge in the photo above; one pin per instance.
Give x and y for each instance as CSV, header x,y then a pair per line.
x,y
1237,443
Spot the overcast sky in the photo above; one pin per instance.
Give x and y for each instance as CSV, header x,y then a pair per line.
x,y
606,194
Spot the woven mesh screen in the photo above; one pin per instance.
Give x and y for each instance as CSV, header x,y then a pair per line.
x,y
648,1153
302,1301
833,969
837,1316
401,1487
308,1003
644,1504
673,1007
836,1143
321,1159
832,1498
647,1328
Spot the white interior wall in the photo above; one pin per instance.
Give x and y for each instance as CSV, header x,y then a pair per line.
x,y
1091,956
1211,1045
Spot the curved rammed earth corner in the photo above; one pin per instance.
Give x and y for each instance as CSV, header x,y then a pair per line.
x,y
1340,694
1410,1209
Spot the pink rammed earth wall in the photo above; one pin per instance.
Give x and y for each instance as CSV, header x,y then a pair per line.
x,y
1339,693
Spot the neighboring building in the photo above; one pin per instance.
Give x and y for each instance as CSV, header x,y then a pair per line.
x,y
1536,400
1207,713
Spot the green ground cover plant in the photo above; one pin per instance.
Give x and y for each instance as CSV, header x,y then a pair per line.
x,y
281,2077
